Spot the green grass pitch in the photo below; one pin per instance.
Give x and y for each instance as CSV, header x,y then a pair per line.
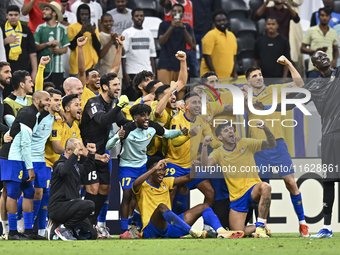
x,y
287,244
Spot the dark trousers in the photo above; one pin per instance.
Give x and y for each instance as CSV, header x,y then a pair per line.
x,y
72,213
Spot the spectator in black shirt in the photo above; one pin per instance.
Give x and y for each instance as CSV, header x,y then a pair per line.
x,y
66,209
269,48
11,31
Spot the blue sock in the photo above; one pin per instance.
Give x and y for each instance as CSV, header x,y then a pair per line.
x,y
124,224
103,212
259,224
12,221
36,209
179,204
211,219
28,220
136,217
82,192
176,221
20,207
297,203
42,215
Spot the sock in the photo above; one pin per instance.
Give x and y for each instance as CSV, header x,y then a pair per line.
x,y
103,212
297,203
328,200
93,198
5,227
82,192
176,221
136,217
260,222
12,221
20,207
328,227
28,220
124,224
129,220
100,203
179,204
211,219
101,224
36,209
42,215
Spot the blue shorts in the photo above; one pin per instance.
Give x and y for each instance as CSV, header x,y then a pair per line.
x,y
42,175
127,175
150,231
13,170
173,170
242,204
277,156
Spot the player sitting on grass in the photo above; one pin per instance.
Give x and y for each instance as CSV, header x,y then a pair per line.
x,y
240,173
153,196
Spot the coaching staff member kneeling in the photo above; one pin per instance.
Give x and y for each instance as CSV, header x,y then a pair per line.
x,y
68,212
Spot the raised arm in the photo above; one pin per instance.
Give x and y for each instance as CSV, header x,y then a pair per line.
x,y
163,102
205,160
139,181
183,72
116,62
270,142
81,41
297,79
39,79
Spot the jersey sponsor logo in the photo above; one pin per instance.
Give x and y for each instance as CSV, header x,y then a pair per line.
x,y
54,133
94,109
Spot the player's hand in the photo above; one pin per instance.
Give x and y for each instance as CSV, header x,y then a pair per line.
x,y
93,29
283,61
149,97
244,90
180,106
120,40
7,138
207,140
183,129
121,133
193,131
81,41
161,164
105,158
113,40
237,139
196,163
45,60
181,56
91,147
173,86
261,125
31,175
258,105
78,148
62,115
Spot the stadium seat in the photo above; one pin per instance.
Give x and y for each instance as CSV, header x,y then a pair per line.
x,y
243,28
152,23
235,8
149,7
260,26
245,48
254,5
336,6
244,64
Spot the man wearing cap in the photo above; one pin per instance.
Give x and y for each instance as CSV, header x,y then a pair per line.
x,y
31,8
52,40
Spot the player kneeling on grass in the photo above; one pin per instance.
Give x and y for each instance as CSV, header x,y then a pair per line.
x,y
236,160
153,197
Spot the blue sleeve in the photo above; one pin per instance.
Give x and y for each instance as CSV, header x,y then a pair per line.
x,y
25,144
267,107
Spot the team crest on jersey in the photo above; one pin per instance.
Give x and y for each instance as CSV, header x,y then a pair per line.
x,y
209,117
264,94
199,126
149,135
164,187
241,150
74,133
151,189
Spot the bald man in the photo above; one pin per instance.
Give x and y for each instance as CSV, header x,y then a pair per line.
x,y
17,167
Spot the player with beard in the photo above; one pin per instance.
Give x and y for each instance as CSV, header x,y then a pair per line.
x,y
245,186
183,150
16,165
96,122
325,92
5,79
135,137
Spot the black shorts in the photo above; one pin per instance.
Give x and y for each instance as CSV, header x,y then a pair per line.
x,y
330,155
101,175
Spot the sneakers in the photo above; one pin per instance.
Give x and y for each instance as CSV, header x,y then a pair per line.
x,y
4,237
261,232
268,232
18,236
323,233
64,233
198,234
102,232
230,234
34,236
125,235
134,233
304,231
211,234
49,231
